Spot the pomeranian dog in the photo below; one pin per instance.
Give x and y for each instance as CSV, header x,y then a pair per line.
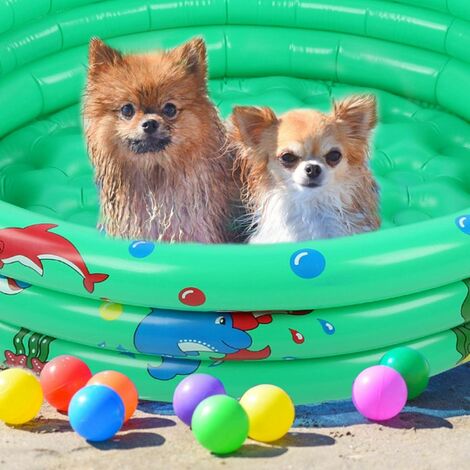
x,y
305,174
157,144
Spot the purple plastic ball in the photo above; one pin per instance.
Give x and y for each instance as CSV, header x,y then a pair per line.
x,y
379,393
191,391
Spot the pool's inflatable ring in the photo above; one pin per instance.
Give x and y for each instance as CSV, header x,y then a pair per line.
x,y
158,312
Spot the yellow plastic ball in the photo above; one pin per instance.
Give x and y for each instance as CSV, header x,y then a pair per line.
x,y
270,411
20,396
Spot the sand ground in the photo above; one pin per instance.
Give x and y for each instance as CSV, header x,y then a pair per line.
x,y
433,433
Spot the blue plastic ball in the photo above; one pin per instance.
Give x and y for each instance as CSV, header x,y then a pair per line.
x,y
307,263
96,413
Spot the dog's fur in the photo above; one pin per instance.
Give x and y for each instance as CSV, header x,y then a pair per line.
x,y
175,184
285,204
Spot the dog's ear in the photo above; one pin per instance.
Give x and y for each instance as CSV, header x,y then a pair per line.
x,y
102,56
358,114
250,123
193,56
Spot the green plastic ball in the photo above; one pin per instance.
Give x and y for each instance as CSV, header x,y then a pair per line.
x,y
220,424
412,366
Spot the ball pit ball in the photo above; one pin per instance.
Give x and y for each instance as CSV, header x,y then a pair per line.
x,y
191,391
220,424
379,393
61,378
270,411
412,366
96,413
20,396
122,385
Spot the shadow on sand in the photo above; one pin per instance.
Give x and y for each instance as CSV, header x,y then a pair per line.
x,y
131,440
274,449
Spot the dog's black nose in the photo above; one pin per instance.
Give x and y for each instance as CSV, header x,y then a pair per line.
x,y
312,170
150,126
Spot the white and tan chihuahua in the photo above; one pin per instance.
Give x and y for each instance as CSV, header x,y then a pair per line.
x,y
305,174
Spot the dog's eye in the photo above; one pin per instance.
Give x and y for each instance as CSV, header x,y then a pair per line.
x,y
288,159
128,111
333,157
169,110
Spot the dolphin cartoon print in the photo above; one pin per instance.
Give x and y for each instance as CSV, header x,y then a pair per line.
x,y
179,339
29,245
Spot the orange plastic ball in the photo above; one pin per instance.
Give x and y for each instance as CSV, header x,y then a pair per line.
x,y
122,385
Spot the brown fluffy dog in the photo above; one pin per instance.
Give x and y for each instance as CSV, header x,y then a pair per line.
x,y
158,145
306,173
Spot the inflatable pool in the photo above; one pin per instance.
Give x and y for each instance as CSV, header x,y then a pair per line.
x,y
307,317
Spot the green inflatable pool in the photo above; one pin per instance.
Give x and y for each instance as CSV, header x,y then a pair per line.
x,y
307,317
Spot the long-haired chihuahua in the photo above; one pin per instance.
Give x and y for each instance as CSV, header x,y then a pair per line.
x,y
305,174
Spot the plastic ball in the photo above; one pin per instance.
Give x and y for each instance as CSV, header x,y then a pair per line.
x,y
61,378
270,411
412,366
379,393
96,413
122,385
220,424
20,396
191,391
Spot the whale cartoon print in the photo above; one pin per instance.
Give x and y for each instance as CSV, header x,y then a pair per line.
x,y
180,340
30,245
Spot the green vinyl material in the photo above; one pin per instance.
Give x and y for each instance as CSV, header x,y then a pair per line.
x,y
307,317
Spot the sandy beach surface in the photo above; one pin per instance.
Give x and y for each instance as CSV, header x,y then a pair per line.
x,y
433,432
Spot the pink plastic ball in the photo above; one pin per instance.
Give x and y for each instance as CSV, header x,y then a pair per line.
x,y
379,393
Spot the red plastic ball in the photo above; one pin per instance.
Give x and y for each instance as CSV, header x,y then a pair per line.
x,y
61,378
